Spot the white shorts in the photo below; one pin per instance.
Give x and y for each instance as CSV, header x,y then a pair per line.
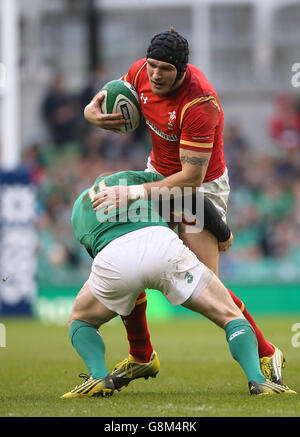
x,y
216,191
153,257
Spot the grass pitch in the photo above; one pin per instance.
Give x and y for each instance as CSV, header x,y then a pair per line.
x,y
197,378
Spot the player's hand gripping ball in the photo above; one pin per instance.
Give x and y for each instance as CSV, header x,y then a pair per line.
x,y
121,96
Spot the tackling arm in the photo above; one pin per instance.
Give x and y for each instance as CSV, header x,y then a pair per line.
x,y
194,166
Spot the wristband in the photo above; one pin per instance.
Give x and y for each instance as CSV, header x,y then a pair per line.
x,y
137,192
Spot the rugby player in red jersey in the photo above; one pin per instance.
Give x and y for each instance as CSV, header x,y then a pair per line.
x,y
185,118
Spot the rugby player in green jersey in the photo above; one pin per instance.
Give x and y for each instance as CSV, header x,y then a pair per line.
x,y
133,249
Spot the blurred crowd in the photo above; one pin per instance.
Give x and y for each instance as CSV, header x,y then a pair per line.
x,y
264,206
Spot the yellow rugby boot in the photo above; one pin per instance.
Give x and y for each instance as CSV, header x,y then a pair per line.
x,y
129,369
271,366
92,388
268,388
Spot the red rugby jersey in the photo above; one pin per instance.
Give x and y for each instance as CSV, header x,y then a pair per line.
x,y
190,118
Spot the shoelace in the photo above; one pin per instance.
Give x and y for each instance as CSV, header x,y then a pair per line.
x,y
127,364
85,377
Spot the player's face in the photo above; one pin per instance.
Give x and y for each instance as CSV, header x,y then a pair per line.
x,y
162,76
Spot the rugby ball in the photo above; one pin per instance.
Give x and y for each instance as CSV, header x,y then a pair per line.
x,y
121,96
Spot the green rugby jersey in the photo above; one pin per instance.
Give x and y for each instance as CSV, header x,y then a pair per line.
x,y
94,230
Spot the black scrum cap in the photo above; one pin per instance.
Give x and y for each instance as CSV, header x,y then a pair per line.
x,y
170,47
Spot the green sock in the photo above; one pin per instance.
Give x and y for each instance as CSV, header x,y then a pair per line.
x,y
88,342
243,347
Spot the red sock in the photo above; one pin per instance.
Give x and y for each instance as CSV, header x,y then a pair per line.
x,y
137,331
265,348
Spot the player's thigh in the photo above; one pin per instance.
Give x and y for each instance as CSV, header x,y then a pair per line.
x,y
215,303
88,309
203,244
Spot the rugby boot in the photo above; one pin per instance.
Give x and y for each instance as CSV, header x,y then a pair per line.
x,y
271,366
129,369
268,388
92,388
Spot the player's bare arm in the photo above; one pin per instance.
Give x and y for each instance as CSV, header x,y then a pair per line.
x,y
194,166
94,115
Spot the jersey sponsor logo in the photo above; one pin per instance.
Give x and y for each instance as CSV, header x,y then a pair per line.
x,y
161,133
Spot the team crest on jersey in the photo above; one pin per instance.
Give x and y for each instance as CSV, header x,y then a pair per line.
x,y
144,98
172,118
